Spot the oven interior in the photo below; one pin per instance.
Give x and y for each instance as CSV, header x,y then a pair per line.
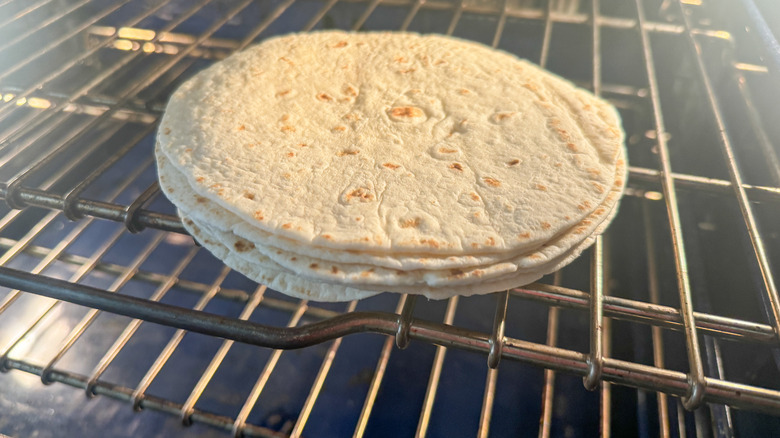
x,y
107,307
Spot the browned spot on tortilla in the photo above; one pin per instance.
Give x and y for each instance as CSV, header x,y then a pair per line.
x,y
200,179
559,164
447,150
572,147
278,251
476,214
579,230
525,235
365,239
350,90
221,192
215,186
541,187
586,107
619,182
430,242
406,111
599,211
285,117
478,272
358,218
292,259
361,194
201,199
535,256
491,181
290,154
399,273
439,62
463,91
546,225
167,131
457,273
286,175
258,215
339,128
324,97
288,128
242,128
456,166
314,266
334,269
475,245
327,236
599,188
531,86
513,162
391,166
282,58
347,152
410,223
475,196
340,44
399,59
352,116
188,150
505,115
287,226
568,218
584,206
586,222
283,93
250,196
243,245
490,241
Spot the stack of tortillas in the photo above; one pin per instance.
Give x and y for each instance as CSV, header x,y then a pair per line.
x,y
334,166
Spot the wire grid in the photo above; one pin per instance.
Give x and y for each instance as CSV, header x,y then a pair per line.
x,y
47,136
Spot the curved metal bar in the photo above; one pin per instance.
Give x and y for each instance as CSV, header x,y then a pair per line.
x,y
497,335
616,371
405,322
131,213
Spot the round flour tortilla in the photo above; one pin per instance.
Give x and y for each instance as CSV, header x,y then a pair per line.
x,y
361,272
393,143
201,209
264,270
176,188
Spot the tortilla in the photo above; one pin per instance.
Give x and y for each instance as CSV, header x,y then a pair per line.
x,y
393,143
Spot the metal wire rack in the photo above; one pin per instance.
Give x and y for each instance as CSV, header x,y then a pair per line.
x,y
668,302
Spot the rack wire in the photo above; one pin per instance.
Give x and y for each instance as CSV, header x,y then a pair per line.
x,y
75,143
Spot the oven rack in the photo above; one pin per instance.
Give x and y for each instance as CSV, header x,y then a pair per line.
x,y
31,112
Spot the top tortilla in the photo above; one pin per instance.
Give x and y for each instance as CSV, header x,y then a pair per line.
x,y
393,143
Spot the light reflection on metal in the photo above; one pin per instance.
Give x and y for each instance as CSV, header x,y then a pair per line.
x,y
751,67
134,33
137,34
123,45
